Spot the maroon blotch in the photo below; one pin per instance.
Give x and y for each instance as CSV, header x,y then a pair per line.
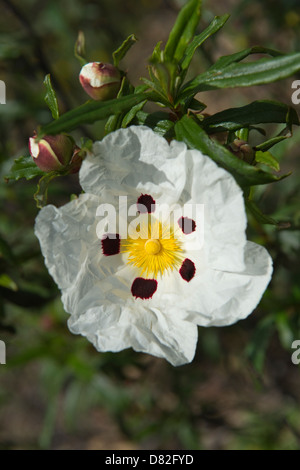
x,y
145,203
143,288
110,244
187,225
187,270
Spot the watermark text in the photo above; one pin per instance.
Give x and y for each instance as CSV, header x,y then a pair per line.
x,y
2,92
296,93
2,352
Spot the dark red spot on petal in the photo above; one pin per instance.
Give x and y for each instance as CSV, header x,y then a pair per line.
x,y
187,225
187,270
143,288
145,203
110,244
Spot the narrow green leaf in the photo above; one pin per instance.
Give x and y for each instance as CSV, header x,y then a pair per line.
x,y
113,123
258,112
182,31
217,23
259,215
226,60
123,49
50,97
91,112
262,71
267,159
7,282
264,146
155,86
132,112
157,54
196,105
23,167
194,136
157,121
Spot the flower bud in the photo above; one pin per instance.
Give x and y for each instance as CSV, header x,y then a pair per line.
x,y
242,150
100,81
52,153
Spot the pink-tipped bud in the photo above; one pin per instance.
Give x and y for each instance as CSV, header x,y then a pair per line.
x,y
100,81
52,153
242,150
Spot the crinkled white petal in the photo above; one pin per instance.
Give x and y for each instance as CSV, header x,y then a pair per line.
x,y
148,330
219,298
135,158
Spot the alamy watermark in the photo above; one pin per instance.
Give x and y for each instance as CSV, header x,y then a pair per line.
x,y
137,221
296,354
2,352
296,93
2,92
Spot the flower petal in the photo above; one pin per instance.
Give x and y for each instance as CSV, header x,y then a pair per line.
x,y
219,298
140,160
110,328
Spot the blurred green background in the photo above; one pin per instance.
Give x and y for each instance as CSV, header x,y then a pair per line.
x,y
242,390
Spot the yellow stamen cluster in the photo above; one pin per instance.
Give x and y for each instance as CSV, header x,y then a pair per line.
x,y
155,251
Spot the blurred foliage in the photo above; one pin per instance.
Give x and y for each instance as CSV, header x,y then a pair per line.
x,y
242,390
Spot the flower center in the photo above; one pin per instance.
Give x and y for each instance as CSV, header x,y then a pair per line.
x,y
155,251
152,247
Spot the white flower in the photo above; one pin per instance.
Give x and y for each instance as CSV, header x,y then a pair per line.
x,y
151,295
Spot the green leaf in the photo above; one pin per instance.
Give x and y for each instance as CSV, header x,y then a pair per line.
x,y
267,159
259,215
271,142
217,23
194,136
157,121
182,31
23,167
132,112
113,123
91,112
50,98
196,105
258,112
7,282
41,194
157,54
123,49
262,71
159,92
226,60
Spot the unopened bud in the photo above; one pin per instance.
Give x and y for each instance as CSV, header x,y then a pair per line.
x,y
100,81
52,153
242,150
